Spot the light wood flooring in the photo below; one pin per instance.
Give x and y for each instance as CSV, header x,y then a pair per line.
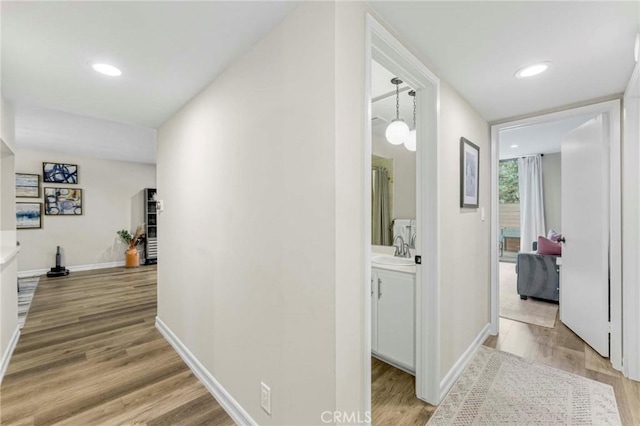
x,y
393,397
559,347
89,354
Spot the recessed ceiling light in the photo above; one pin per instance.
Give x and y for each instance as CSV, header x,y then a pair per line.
x,y
513,146
107,69
531,70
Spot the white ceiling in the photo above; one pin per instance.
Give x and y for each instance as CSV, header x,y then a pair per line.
x,y
167,51
543,138
170,51
478,47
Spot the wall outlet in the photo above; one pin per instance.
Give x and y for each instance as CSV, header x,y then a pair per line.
x,y
265,397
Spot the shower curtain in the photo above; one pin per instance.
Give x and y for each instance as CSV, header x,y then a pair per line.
x,y
380,207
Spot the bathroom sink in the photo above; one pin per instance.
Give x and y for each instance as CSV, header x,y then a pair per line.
x,y
382,259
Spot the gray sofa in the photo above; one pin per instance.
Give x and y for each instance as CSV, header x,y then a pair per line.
x,y
538,276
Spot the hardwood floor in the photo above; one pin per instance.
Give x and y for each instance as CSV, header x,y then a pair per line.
x,y
393,397
559,347
89,354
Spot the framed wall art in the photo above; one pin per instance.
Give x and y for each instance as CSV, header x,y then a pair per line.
x,y
469,173
28,215
59,173
27,185
62,201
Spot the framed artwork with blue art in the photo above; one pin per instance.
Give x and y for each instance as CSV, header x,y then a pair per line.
x,y
59,173
62,201
28,215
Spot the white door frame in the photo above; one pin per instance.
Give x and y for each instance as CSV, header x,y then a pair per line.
x,y
611,111
631,224
382,46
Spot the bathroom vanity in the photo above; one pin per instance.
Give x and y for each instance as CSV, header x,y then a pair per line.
x,y
393,312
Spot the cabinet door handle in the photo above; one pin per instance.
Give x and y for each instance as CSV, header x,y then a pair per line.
x,y
379,288
371,287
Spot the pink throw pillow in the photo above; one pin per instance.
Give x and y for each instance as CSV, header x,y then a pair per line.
x,y
546,246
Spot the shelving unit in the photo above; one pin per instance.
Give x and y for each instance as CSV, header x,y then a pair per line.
x,y
151,227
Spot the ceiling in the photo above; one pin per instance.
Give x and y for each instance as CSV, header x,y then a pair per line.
x,y
170,51
167,51
478,46
545,138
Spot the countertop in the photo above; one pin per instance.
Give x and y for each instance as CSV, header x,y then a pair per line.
x,y
7,253
396,268
388,250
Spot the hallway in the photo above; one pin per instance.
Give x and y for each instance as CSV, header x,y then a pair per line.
x,y
89,353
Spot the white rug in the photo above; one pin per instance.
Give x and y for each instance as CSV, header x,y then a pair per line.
x,y
25,296
500,388
530,311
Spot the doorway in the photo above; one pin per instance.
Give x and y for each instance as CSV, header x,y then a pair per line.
x,y
610,116
530,201
386,51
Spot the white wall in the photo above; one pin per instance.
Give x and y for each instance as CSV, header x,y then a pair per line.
x,y
404,176
551,179
464,257
110,191
260,143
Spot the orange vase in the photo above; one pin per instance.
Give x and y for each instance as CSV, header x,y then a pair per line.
x,y
132,260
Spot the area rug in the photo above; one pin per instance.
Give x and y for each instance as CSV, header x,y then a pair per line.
x,y
501,388
531,311
25,296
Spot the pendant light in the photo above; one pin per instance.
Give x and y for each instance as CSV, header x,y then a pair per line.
x,y
397,131
410,142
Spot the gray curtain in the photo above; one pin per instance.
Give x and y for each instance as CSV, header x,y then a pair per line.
x,y
380,207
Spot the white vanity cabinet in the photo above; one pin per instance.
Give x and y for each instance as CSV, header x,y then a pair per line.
x,y
393,317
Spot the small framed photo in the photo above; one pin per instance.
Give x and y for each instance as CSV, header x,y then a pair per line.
x,y
28,215
27,185
62,201
469,173
59,173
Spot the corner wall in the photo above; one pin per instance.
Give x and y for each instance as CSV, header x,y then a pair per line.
x,y
248,270
110,193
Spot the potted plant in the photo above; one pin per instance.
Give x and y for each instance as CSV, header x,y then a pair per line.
x,y
132,259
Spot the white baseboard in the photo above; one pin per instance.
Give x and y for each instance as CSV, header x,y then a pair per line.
x,y
461,364
226,401
76,268
6,356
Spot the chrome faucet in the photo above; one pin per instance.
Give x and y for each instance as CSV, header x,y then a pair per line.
x,y
402,249
399,248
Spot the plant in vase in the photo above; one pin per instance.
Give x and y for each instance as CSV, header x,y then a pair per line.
x,y
132,259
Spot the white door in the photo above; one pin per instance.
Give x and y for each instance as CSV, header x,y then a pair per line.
x,y
396,318
584,281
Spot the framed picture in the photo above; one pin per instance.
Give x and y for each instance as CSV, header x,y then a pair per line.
x,y
59,173
27,185
469,173
62,201
28,215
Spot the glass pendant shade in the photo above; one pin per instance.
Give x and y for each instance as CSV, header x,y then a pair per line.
x,y
410,142
397,132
